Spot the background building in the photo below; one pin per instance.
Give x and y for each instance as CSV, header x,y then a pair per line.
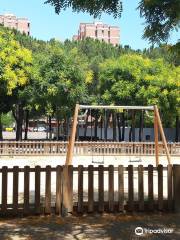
x,y
20,24
100,31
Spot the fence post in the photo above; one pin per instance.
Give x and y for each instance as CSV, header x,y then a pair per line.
x,y
90,188
15,189
4,189
37,190
58,189
130,188
100,188
141,187
169,183
111,188
121,187
67,200
150,188
80,189
26,189
176,187
47,209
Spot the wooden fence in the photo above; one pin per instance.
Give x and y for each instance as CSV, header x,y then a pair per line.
x,y
68,198
38,148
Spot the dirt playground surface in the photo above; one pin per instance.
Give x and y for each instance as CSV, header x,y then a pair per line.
x,y
94,227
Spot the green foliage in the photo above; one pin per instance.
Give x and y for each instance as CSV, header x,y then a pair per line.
x,y
49,78
15,68
93,7
134,80
7,120
62,79
171,54
162,16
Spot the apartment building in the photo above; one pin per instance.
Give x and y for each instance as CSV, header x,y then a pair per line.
x,y
11,21
100,31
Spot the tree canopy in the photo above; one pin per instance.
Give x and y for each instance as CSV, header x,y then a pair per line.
x,y
46,79
162,16
132,79
94,7
15,68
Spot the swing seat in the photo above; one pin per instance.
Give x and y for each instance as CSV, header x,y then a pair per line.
x,y
135,160
98,162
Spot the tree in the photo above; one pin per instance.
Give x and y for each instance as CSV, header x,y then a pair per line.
x,y
15,67
62,82
162,16
135,80
171,54
95,7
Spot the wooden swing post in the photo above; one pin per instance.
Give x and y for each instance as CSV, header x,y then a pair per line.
x,y
157,116
69,155
156,136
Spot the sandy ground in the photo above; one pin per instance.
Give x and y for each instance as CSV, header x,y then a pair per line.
x,y
43,161
84,160
31,135
96,227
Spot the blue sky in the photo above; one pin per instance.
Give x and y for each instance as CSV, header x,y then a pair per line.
x,y
45,24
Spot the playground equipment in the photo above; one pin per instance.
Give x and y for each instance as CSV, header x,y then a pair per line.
x,y
158,128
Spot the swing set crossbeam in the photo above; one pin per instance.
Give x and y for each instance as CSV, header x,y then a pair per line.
x,y
117,107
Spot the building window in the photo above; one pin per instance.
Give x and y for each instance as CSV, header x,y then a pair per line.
x,y
109,34
102,32
28,25
96,33
28,33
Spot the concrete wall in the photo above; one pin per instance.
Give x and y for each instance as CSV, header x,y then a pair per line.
x,y
169,132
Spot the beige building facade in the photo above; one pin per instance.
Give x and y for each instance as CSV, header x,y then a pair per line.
x,y
20,24
100,31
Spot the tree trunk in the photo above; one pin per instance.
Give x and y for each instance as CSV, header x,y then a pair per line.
x,y
114,125
50,128
58,129
119,127
133,126
19,121
130,134
106,125
26,125
67,128
101,128
47,120
177,129
141,126
86,123
96,125
1,129
123,127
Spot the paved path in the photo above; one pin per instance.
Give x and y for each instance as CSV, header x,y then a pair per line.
x,y
94,227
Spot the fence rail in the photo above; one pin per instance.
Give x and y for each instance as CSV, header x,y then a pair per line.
x,y
9,148
72,195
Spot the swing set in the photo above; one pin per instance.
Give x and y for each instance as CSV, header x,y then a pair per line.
x,y
156,119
